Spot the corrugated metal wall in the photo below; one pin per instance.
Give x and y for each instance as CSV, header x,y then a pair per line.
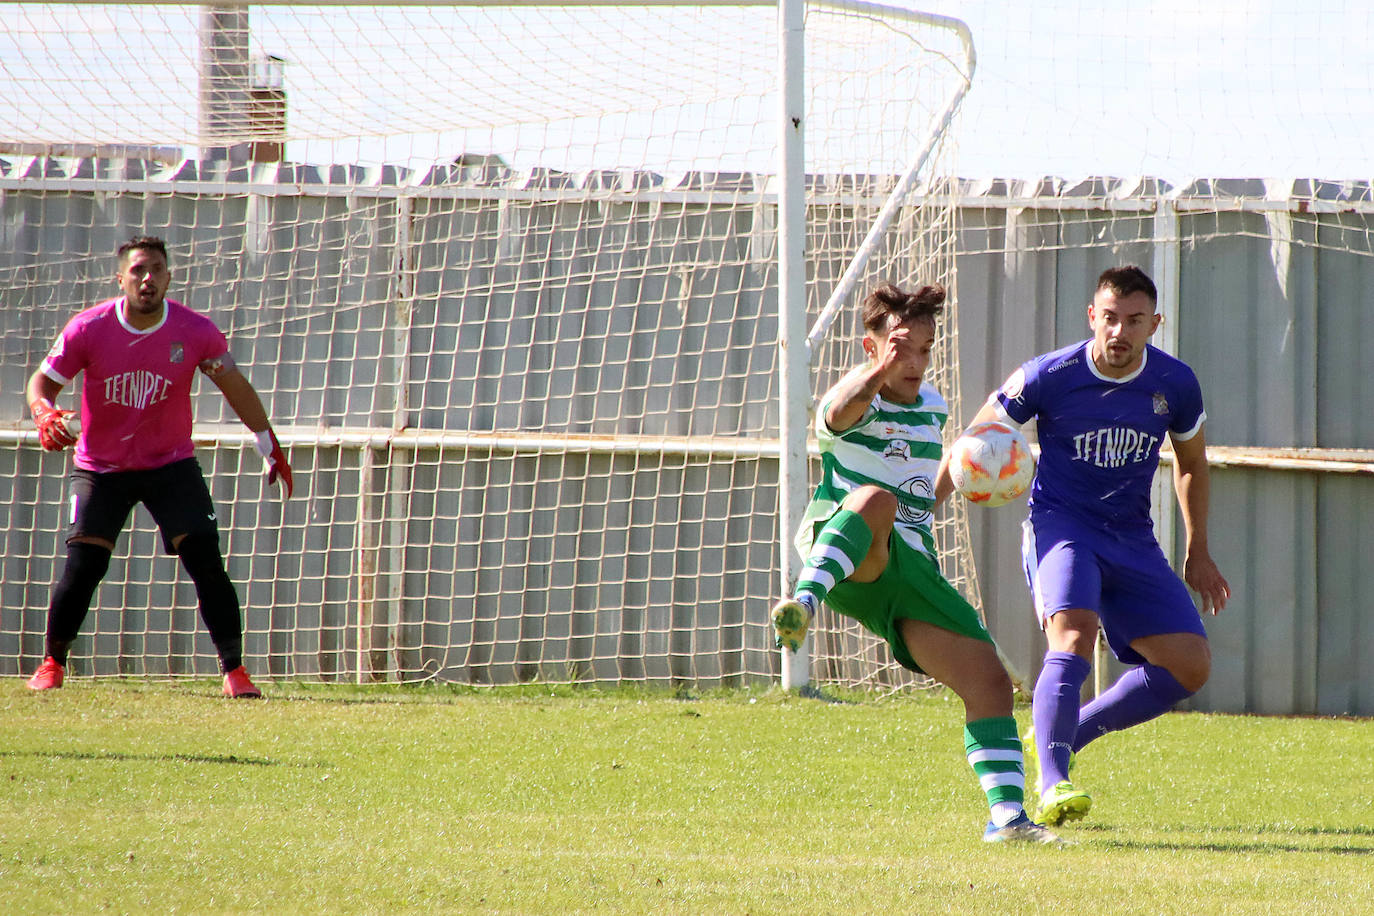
x,y
1271,309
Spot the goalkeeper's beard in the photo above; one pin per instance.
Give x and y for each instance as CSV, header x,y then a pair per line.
x,y
147,303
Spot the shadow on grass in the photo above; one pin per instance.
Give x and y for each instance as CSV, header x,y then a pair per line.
x,y
810,692
231,759
1247,840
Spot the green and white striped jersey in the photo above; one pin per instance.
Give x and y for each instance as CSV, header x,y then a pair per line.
x,y
895,446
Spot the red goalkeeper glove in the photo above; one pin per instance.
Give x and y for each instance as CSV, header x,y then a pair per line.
x,y
269,448
57,429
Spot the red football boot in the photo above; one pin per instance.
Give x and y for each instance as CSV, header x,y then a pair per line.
x,y
48,676
238,685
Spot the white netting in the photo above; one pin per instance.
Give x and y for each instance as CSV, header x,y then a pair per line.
x,y
505,278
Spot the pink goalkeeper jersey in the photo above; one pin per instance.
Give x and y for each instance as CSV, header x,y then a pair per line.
x,y
136,396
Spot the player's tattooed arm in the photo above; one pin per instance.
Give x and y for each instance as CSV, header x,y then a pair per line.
x,y
849,403
218,365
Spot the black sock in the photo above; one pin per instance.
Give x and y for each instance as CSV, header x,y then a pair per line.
x,y
71,598
219,602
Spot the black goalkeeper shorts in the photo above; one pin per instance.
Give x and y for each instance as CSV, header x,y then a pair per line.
x,y
175,495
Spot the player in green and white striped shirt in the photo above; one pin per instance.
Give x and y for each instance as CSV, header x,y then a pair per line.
x,y
868,548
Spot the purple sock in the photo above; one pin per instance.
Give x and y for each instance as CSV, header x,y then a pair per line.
x,y
1054,710
1138,696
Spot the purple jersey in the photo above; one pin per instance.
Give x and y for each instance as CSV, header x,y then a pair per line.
x,y
136,396
1100,436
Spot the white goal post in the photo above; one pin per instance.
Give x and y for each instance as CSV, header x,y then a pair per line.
x,y
527,290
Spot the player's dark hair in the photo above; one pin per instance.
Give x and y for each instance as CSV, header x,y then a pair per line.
x,y
143,243
1126,280
891,300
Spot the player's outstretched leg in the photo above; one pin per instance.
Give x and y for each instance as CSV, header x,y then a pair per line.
x,y
840,546
1139,695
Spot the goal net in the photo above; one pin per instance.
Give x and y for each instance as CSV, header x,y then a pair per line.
x,y
506,280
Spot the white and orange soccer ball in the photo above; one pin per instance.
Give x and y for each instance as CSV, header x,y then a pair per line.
x,y
991,464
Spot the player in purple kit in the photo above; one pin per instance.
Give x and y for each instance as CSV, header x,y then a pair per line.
x,y
140,353
1104,407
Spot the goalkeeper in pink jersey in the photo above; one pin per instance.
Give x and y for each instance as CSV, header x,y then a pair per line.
x,y
140,353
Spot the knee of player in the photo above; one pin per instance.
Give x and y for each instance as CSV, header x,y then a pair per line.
x,y
200,554
1192,669
87,562
1193,675
990,683
873,503
997,683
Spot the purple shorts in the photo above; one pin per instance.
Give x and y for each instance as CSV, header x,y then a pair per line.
x,y
1125,579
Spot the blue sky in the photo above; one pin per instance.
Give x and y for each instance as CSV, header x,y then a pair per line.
x,y
1173,89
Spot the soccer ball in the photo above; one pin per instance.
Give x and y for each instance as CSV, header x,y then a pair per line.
x,y
991,464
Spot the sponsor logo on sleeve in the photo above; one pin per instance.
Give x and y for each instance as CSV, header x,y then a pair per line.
x,y
1014,385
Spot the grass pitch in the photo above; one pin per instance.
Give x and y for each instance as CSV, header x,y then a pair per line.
x,y
131,797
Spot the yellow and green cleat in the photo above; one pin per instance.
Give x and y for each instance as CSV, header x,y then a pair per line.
x,y
1062,803
791,619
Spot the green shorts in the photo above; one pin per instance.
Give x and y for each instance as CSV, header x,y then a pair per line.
x,y
911,587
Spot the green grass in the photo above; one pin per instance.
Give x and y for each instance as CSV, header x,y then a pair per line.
x,y
132,797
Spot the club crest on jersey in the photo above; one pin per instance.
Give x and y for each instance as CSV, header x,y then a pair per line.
x,y
921,488
1161,404
178,353
898,448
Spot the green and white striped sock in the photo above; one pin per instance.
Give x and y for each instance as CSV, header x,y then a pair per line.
x,y
993,747
839,548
